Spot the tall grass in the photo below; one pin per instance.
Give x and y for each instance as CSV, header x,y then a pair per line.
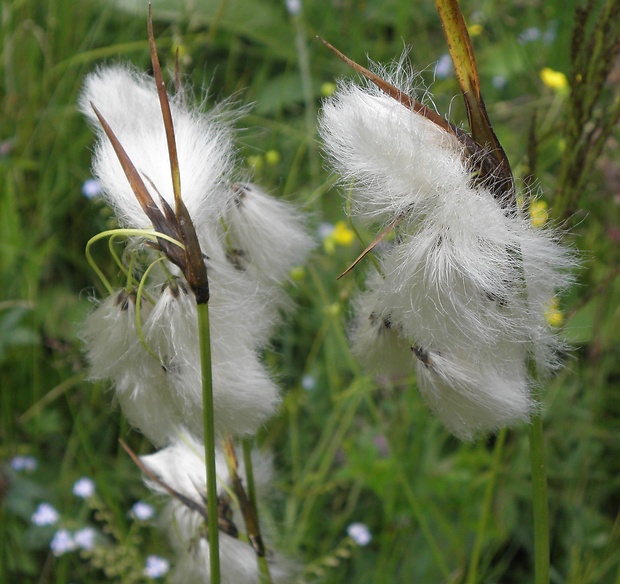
x,y
348,447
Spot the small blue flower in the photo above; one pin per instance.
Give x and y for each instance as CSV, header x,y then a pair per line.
x,y
359,533
84,488
499,81
91,188
45,514
85,538
142,511
308,382
27,463
529,35
156,567
293,7
62,542
444,67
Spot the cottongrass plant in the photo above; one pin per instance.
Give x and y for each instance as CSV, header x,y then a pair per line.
x,y
462,290
462,293
146,338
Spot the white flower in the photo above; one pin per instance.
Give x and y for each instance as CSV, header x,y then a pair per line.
x,y
62,542
359,533
156,567
84,488
45,514
142,511
85,538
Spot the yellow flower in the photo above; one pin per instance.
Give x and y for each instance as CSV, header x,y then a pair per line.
x,y
556,80
255,161
272,157
342,234
553,314
328,88
298,273
338,234
475,30
538,213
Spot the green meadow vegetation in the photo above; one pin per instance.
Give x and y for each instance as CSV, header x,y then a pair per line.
x,y
348,447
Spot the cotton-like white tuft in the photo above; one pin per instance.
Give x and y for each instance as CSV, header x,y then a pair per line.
x,y
181,466
115,352
397,162
476,393
128,101
376,338
467,281
267,234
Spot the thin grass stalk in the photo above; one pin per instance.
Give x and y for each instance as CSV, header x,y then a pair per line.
x,y
472,573
540,501
303,57
246,443
209,440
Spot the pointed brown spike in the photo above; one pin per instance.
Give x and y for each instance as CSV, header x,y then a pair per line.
x,y
394,92
501,180
168,212
165,111
372,245
247,510
174,253
196,270
225,525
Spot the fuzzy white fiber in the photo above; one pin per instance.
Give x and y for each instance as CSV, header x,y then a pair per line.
x,y
182,467
398,161
162,391
128,101
268,233
160,388
466,282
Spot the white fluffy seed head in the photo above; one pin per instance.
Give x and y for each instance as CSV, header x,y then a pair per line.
x,y
128,101
376,337
182,467
467,280
268,235
244,396
396,161
114,352
477,392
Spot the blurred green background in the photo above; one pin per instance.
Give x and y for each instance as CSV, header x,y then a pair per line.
x,y
348,447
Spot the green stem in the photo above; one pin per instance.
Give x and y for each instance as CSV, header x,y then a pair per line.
x,y
263,566
472,573
209,440
540,501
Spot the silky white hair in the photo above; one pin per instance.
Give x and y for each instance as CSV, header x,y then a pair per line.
x,y
181,466
467,282
250,242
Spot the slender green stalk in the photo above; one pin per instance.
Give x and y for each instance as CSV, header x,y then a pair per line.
x,y
209,440
263,566
540,501
472,573
306,84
